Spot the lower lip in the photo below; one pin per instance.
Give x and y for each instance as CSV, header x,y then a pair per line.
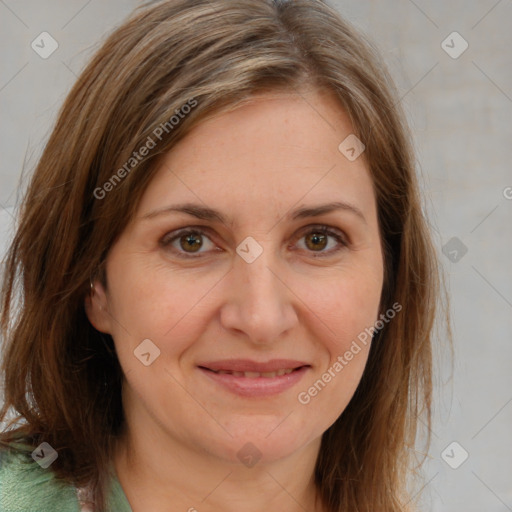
x,y
259,386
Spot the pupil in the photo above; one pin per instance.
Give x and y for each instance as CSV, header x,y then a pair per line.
x,y
316,238
193,241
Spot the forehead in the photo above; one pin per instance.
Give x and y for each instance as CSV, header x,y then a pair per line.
x,y
276,150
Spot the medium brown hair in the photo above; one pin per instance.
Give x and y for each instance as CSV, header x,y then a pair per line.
x,y
62,376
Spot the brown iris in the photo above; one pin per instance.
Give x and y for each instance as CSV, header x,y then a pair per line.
x,y
192,241
316,241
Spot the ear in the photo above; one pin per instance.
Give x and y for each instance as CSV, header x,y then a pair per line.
x,y
96,307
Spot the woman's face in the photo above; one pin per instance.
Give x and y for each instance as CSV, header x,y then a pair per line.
x,y
249,317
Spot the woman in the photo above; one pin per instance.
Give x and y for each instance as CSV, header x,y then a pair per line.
x,y
228,287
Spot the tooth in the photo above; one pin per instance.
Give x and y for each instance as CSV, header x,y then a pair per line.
x,y
252,375
255,375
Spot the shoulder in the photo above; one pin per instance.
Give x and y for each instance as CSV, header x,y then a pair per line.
x,y
25,486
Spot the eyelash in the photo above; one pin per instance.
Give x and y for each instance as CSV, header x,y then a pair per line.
x,y
167,240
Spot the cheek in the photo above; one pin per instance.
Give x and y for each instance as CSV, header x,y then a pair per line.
x,y
346,344
156,303
346,308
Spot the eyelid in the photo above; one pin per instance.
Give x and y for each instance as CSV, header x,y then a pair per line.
x,y
176,233
171,236
324,228
327,230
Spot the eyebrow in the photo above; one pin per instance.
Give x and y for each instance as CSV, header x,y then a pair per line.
x,y
316,211
206,213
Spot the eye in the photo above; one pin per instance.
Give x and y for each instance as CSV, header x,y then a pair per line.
x,y
187,241
316,239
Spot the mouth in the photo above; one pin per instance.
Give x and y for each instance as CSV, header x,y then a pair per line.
x,y
256,375
255,379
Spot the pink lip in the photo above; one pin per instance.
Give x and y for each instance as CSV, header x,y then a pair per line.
x,y
258,386
247,365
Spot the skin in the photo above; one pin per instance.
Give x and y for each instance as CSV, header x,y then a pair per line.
x,y
297,300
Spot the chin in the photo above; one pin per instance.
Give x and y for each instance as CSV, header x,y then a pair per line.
x,y
259,440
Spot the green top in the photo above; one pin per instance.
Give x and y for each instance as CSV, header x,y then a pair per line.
x,y
25,486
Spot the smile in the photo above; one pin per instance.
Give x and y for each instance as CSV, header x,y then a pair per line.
x,y
255,379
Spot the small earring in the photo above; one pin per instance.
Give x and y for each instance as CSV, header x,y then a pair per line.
x,y
92,292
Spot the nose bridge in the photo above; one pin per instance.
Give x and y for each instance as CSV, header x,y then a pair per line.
x,y
260,304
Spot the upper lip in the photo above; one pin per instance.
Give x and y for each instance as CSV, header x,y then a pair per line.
x,y
247,365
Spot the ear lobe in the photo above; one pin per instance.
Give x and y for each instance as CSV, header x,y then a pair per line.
x,y
95,304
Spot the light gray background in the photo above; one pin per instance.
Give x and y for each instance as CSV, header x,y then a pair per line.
x,y
460,111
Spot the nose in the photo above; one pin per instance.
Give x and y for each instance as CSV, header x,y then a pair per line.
x,y
259,304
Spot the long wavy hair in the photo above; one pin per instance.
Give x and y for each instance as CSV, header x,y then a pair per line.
x,y
218,53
